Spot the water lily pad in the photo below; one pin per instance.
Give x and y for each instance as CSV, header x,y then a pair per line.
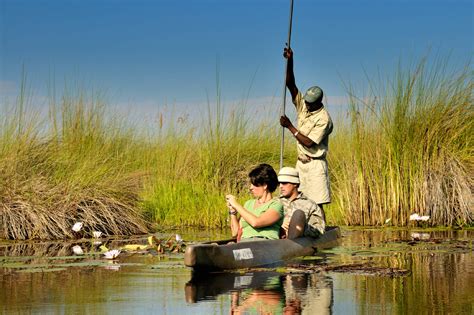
x,y
35,270
311,258
19,258
133,247
75,257
89,263
168,264
27,266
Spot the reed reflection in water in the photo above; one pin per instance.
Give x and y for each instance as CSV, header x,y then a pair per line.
x,y
47,279
441,265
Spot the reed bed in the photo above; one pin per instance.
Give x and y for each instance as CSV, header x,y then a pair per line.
x,y
195,170
406,147
75,167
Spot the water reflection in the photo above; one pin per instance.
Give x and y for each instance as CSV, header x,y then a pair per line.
x,y
441,265
265,292
45,277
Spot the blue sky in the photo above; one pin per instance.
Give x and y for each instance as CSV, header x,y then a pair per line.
x,y
148,54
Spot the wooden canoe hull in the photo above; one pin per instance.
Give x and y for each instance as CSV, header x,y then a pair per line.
x,y
223,255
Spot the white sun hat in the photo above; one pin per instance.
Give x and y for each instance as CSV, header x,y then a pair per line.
x,y
288,175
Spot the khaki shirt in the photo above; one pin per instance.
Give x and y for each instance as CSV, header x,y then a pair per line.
x,y
315,224
315,125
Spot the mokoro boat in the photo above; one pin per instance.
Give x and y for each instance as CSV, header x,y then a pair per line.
x,y
227,254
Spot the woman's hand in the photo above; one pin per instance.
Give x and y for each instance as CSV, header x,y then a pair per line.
x,y
234,222
231,201
267,218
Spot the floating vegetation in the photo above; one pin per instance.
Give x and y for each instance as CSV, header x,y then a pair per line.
x,y
33,270
114,253
361,269
367,269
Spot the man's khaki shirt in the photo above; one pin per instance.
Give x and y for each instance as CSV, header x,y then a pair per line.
x,y
315,125
315,224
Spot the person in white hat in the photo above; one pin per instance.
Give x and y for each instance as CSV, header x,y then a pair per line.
x,y
302,215
312,137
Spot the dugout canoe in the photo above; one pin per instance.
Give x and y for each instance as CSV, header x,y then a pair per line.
x,y
226,254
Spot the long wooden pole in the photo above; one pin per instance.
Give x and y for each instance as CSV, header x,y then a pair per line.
x,y
284,86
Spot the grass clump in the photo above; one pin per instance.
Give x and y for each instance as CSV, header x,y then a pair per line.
x,y
76,166
407,148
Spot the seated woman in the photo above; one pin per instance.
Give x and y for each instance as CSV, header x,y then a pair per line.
x,y
262,216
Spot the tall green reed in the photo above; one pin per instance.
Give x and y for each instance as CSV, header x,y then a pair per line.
x,y
78,166
208,162
407,148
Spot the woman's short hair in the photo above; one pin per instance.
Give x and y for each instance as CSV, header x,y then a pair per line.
x,y
264,174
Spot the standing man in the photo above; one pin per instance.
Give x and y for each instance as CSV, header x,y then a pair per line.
x,y
312,137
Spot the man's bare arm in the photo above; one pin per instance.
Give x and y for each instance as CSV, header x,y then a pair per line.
x,y
290,75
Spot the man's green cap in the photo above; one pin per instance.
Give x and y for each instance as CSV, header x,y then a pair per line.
x,y
313,94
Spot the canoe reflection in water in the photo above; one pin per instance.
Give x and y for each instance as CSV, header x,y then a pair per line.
x,y
265,292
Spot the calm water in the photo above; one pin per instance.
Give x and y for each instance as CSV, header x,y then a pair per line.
x,y
45,278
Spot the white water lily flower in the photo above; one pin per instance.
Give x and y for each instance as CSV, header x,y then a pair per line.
x,y
179,239
97,243
77,250
425,236
414,217
96,234
112,254
77,226
424,218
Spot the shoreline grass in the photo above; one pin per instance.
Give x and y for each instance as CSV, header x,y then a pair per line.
x,y
410,150
407,147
